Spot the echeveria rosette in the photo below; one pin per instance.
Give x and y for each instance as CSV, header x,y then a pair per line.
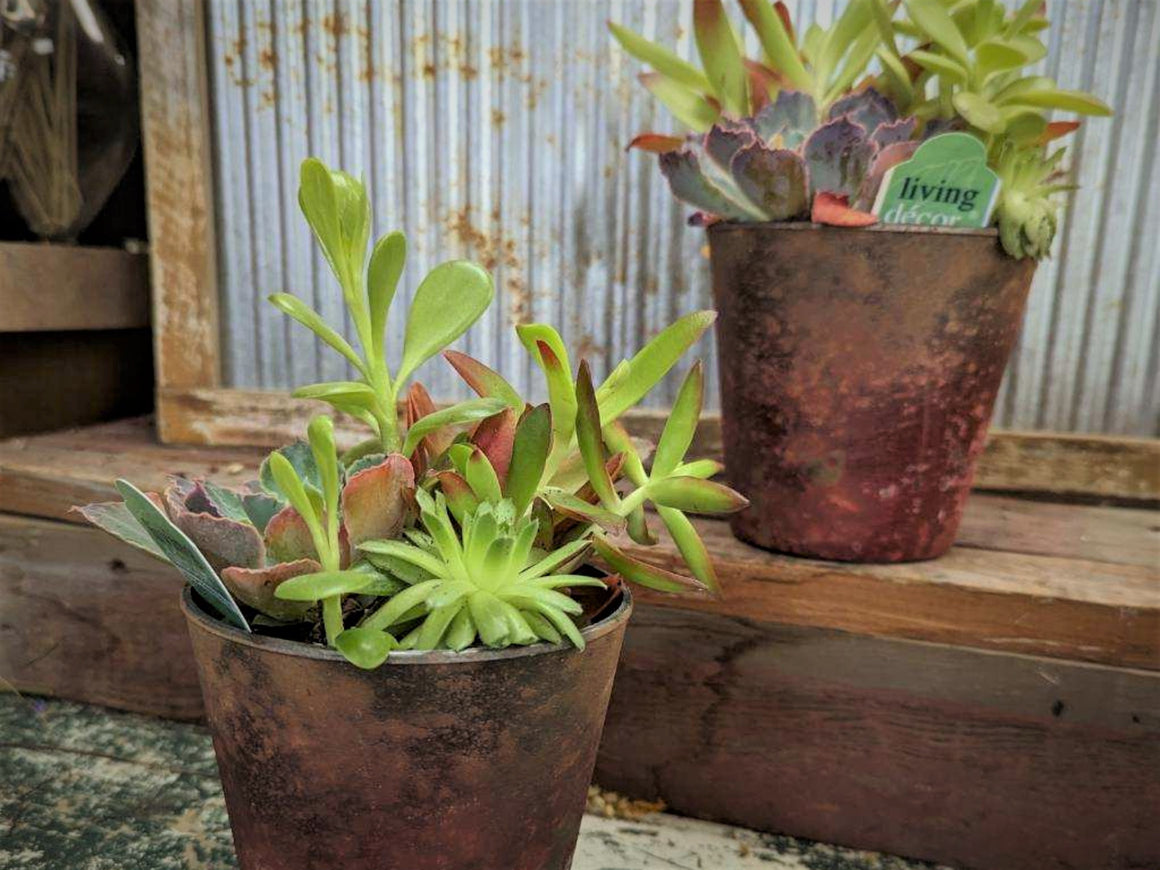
x,y
776,165
254,540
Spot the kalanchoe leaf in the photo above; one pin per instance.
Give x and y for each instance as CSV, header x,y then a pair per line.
x,y
647,575
369,460
690,184
533,443
301,459
487,382
774,180
375,500
116,519
787,121
696,496
867,108
181,551
226,502
495,436
838,155
255,588
365,648
222,541
828,208
288,537
894,132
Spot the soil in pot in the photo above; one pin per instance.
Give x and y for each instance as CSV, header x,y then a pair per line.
x,y
478,760
859,369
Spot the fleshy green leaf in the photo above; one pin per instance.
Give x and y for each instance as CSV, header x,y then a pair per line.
x,y
681,425
530,451
323,584
343,395
548,351
692,548
979,112
943,66
366,648
936,22
578,509
590,440
1069,101
387,261
455,415
647,575
181,551
446,303
687,106
305,315
780,52
696,496
721,55
481,477
652,363
660,59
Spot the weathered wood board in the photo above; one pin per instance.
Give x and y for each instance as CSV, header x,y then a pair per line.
x,y
975,759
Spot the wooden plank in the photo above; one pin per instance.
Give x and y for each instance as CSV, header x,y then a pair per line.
x,y
179,191
64,287
1052,464
85,617
978,760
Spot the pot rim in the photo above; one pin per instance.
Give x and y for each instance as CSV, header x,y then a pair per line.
x,y
802,226
280,646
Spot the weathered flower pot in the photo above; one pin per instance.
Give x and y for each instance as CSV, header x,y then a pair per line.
x,y
859,368
435,761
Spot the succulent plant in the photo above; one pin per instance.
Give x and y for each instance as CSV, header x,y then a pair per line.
x,y
824,64
1027,210
513,501
778,164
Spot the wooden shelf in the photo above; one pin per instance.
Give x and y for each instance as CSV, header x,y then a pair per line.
x,y
57,288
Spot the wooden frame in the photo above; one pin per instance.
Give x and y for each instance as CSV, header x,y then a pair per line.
x,y
194,408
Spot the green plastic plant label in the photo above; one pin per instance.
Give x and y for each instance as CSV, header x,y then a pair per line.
x,y
947,183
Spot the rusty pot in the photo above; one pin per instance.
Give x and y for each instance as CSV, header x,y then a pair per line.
x,y
859,368
435,761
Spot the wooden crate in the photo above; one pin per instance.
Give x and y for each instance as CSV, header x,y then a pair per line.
x,y
997,708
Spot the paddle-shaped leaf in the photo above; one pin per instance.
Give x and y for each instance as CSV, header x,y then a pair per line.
x,y
446,303
324,584
375,500
256,588
181,551
365,648
689,183
386,266
838,155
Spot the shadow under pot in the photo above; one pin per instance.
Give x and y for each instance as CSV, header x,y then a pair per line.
x,y
859,369
479,760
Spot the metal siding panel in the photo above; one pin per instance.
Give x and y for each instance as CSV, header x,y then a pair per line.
x,y
496,130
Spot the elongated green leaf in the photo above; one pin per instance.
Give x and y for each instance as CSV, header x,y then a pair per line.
x,y
943,66
560,556
305,315
653,362
408,553
1069,101
461,634
721,55
681,425
321,435
936,22
533,443
619,441
324,584
780,52
387,261
401,605
365,648
702,468
896,75
692,548
979,112
647,575
854,24
995,55
289,484
578,509
180,551
485,381
116,519
481,477
687,106
561,393
455,415
350,394
1023,16
590,439
696,495
447,302
660,59
301,458
860,53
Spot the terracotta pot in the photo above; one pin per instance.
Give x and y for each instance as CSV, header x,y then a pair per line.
x,y
859,368
435,761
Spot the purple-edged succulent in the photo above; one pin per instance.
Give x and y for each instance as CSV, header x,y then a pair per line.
x,y
254,540
774,165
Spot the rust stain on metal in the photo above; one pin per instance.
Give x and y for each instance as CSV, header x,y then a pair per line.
x,y
435,761
858,374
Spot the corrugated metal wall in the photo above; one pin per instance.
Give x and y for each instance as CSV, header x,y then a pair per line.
x,y
495,129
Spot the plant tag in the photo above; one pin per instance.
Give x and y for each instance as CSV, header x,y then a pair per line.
x,y
947,183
